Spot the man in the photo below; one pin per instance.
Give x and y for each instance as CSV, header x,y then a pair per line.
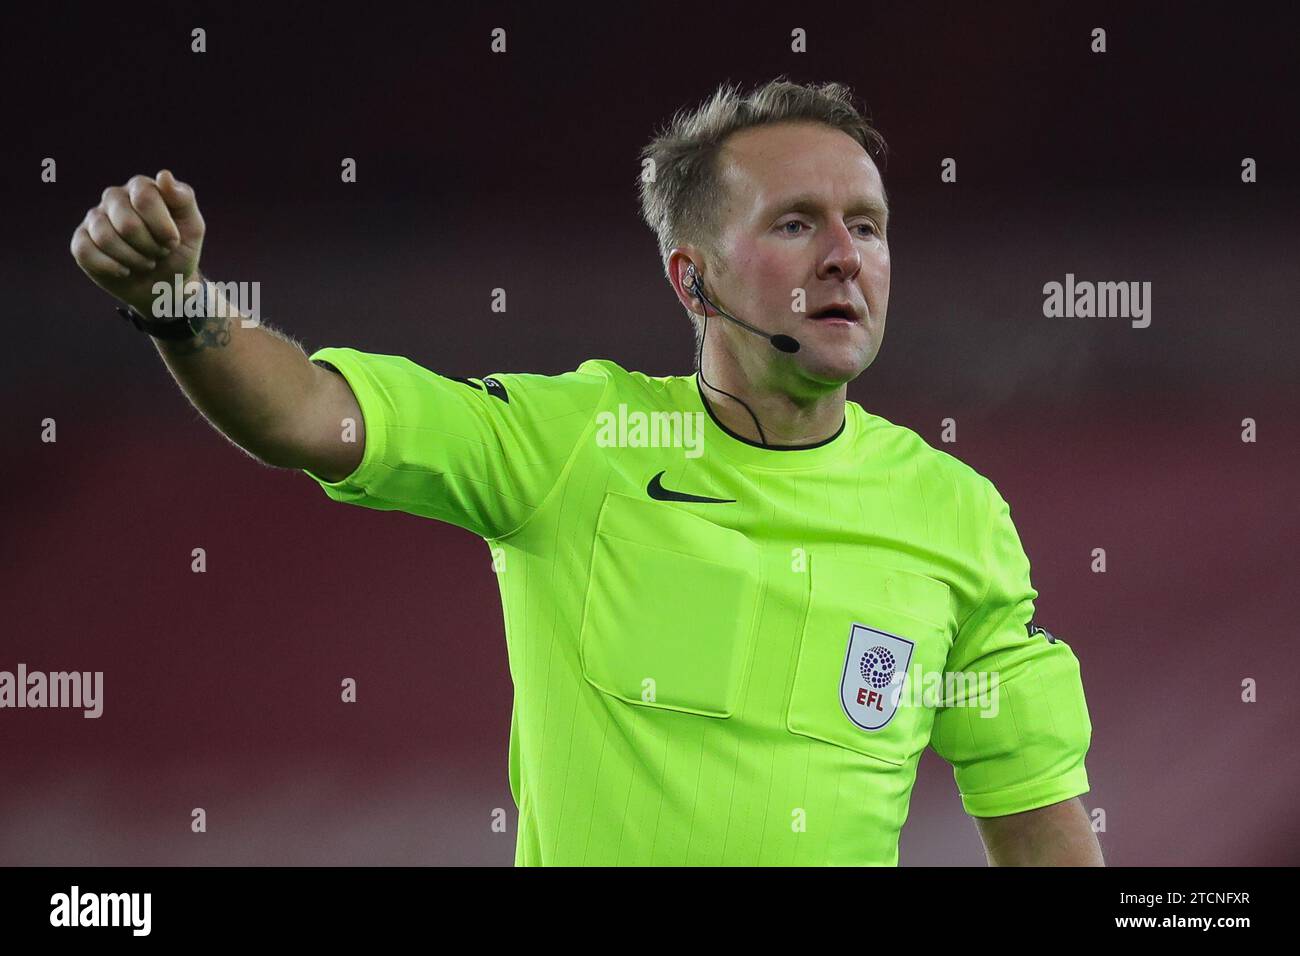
x,y
727,595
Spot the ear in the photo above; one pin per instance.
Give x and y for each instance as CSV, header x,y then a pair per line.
x,y
681,262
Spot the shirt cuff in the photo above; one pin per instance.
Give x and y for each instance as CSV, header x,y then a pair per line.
x,y
370,399
1026,796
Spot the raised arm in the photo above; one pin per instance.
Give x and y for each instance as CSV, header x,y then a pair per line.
x,y
253,384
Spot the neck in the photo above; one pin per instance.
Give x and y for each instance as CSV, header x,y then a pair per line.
x,y
789,416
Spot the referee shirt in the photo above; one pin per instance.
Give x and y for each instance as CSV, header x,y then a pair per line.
x,y
725,654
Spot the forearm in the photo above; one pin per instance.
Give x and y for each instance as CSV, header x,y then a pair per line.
x,y
1056,835
248,382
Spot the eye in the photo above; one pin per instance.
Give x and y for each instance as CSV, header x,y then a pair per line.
x,y
792,222
871,226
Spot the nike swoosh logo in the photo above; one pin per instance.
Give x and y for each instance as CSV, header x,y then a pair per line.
x,y
657,491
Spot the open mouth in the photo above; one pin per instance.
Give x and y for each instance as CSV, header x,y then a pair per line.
x,y
834,313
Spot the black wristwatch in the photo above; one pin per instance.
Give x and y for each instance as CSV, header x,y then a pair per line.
x,y
177,329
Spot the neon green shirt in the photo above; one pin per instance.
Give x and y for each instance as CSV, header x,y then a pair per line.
x,y
744,680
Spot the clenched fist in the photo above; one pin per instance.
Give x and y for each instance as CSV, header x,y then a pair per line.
x,y
147,231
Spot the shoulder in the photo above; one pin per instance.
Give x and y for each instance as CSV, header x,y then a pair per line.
x,y
629,382
580,387
903,448
609,369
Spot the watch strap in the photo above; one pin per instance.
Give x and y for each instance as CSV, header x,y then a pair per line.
x,y
174,329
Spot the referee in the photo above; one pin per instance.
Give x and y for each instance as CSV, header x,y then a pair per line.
x,y
737,606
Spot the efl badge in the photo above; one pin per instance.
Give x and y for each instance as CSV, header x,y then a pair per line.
x,y
874,672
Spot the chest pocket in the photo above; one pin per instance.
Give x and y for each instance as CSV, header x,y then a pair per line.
x,y
671,608
867,623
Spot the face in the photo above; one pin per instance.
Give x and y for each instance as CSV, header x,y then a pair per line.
x,y
805,210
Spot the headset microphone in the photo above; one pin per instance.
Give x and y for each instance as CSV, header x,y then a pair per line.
x,y
783,343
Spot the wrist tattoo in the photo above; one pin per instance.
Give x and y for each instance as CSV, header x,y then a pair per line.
x,y
214,334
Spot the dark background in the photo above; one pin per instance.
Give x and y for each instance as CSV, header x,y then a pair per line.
x,y
519,170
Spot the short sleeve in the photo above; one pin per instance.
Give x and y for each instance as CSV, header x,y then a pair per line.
x,y
482,454
1023,745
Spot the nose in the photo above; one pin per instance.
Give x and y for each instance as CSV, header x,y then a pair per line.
x,y
842,259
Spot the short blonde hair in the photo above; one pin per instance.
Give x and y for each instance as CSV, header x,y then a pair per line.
x,y
683,193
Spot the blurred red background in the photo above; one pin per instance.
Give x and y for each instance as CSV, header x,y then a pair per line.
x,y
221,689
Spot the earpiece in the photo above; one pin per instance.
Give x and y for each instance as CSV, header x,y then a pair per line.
x,y
780,342
692,281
